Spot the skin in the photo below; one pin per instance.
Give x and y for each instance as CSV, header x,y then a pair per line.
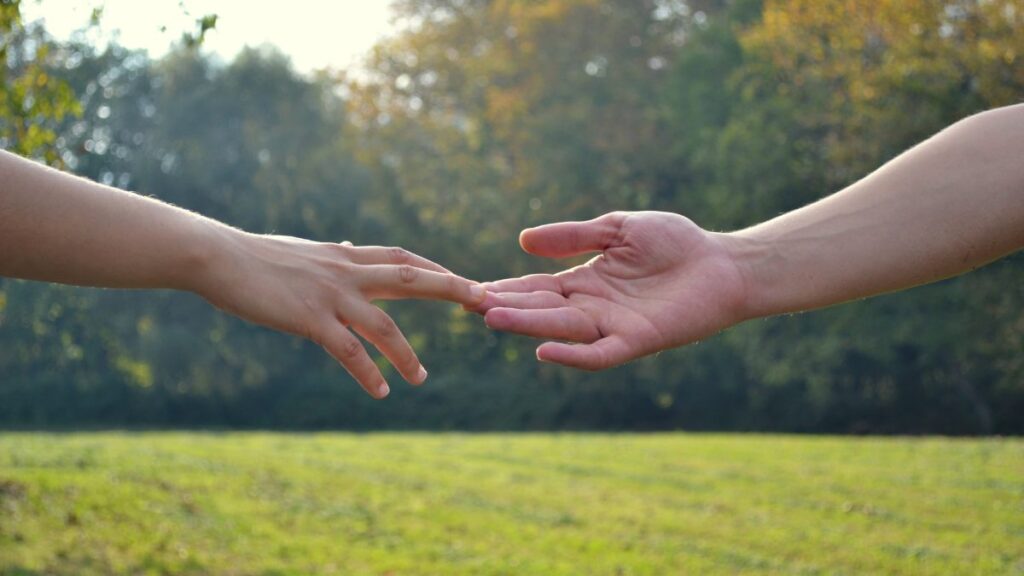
x,y
949,205
56,227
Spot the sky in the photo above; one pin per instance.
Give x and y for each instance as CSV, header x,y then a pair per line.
x,y
315,34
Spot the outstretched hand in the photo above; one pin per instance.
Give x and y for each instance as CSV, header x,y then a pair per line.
x,y
660,281
56,227
324,292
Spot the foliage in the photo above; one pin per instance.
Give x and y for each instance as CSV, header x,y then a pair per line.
x,y
31,97
481,118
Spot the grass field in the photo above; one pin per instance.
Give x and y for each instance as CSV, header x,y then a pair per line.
x,y
269,504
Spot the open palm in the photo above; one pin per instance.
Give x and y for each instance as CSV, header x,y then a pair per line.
x,y
660,281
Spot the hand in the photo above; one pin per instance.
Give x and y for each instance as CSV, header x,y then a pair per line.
x,y
659,282
320,291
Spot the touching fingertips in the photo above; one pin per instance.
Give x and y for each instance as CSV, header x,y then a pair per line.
x,y
490,300
478,293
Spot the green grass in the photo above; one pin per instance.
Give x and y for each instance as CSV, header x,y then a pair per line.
x,y
268,504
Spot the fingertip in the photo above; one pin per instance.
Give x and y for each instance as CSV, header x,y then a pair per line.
x,y
544,352
495,318
539,353
490,301
524,239
415,375
383,390
478,293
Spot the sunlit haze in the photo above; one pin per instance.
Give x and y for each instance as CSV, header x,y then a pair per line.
x,y
315,34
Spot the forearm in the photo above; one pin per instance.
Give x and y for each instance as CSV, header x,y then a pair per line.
x,y
949,205
60,228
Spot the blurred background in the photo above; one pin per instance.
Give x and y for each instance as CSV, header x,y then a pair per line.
x,y
446,126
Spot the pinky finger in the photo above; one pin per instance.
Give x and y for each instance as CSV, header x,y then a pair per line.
x,y
350,353
605,353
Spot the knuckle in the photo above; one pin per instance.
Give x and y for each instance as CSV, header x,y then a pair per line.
x,y
407,274
398,255
342,250
386,327
341,266
350,349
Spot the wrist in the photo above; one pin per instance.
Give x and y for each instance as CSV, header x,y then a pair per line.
x,y
755,258
210,249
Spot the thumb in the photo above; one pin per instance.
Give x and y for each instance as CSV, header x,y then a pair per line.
x,y
566,239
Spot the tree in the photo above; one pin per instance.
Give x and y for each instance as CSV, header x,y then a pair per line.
x,y
31,99
482,117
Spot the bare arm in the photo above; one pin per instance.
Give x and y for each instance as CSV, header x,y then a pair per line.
x,y
951,204
59,228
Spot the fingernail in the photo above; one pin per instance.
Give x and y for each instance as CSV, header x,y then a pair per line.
x,y
478,292
383,390
540,354
421,376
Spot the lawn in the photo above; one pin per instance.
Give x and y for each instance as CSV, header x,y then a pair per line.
x,y
275,504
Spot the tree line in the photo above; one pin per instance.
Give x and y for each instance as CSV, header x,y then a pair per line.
x,y
481,118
